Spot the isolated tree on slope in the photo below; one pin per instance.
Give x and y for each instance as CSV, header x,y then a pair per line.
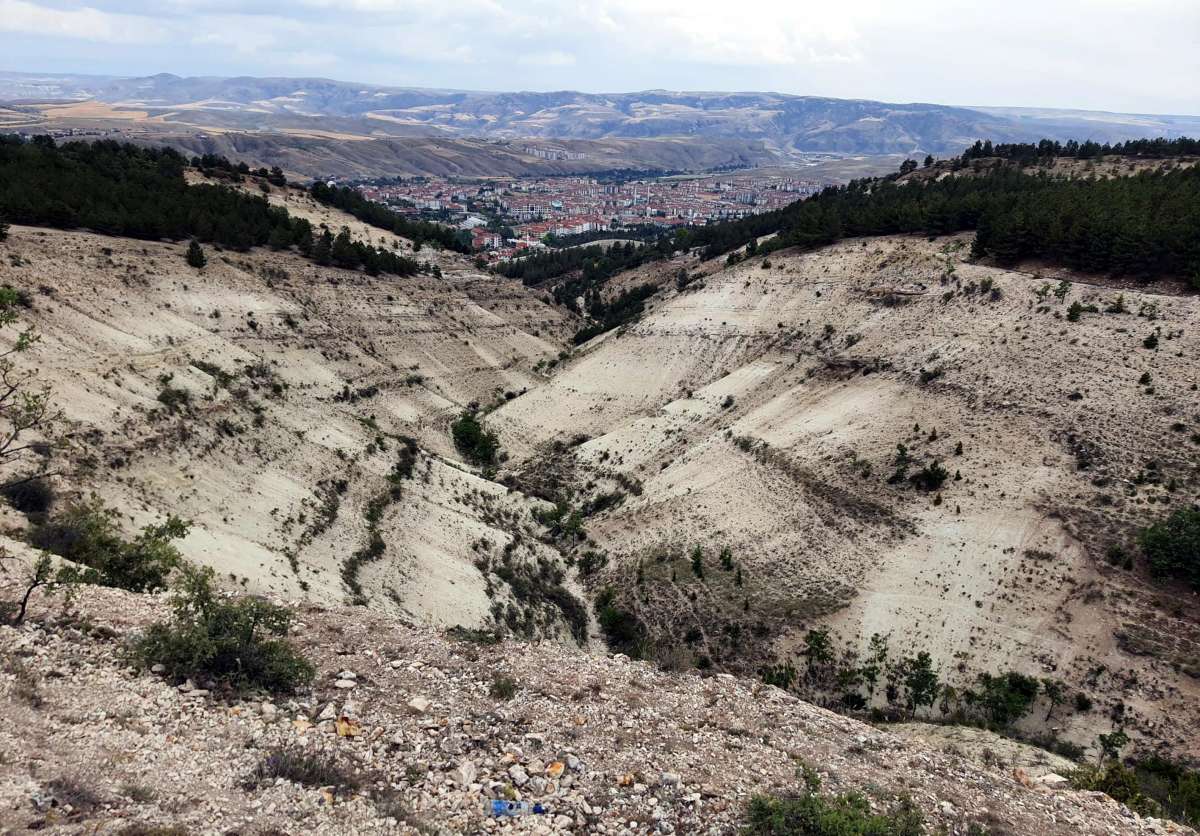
x,y
921,680
195,255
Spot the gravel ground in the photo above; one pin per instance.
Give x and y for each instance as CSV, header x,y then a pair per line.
x,y
602,743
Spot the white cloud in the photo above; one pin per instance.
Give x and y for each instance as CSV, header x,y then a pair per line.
x,y
745,33
83,23
1103,54
552,58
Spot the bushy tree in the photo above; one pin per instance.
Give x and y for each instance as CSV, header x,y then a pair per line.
x,y
88,536
1004,698
1172,545
195,255
237,641
920,681
478,444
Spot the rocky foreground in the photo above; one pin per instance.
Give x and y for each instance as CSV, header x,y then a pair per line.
x,y
421,730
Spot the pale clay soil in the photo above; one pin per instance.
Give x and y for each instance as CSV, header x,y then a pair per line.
x,y
740,354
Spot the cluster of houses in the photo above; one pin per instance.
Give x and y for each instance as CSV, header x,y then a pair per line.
x,y
506,217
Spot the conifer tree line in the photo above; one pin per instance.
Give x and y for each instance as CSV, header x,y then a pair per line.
x,y
121,189
587,269
349,200
596,263
1028,152
1143,225
220,168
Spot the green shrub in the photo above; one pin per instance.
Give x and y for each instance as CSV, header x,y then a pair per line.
x,y
87,535
502,687
477,444
1172,546
841,815
30,496
622,629
195,255
172,397
931,477
300,766
1174,786
1005,698
237,641
1117,781
1152,786
781,675
726,558
473,635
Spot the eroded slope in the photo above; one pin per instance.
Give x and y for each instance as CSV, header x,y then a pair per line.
x,y
268,400
761,408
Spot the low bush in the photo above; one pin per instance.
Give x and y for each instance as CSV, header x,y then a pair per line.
x,y
476,443
502,687
300,766
1172,546
1118,782
473,635
239,642
931,477
87,534
810,814
30,496
622,629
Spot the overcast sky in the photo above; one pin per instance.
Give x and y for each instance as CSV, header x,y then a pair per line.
x,y
1122,55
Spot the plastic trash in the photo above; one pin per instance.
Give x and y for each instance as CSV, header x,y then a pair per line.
x,y
499,808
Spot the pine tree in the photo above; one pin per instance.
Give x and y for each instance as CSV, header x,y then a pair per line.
x,y
195,255
698,562
323,248
727,559
280,238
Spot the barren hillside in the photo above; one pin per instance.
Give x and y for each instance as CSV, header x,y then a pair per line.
x,y
760,410
300,382
874,438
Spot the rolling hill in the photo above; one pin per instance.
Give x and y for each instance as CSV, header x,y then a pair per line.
x,y
783,124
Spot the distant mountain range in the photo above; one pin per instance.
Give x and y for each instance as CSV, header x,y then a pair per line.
x,y
782,125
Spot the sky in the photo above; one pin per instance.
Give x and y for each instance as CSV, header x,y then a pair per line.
x,y
1138,56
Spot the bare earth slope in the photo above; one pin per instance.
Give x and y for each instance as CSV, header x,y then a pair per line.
x,y
300,381
757,410
761,409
